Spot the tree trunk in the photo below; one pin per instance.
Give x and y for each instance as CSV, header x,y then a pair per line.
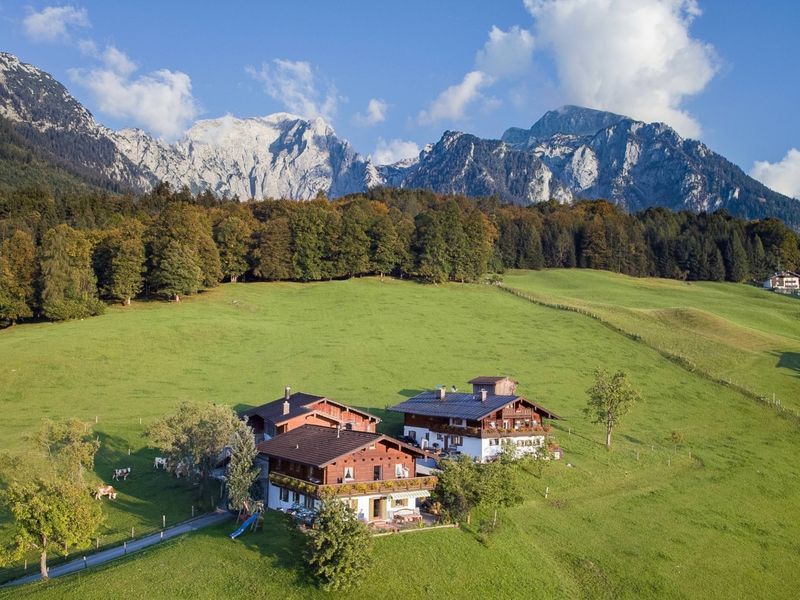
x,y
127,301
608,438
234,278
177,298
43,564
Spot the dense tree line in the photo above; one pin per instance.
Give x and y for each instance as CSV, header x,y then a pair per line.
x,y
60,258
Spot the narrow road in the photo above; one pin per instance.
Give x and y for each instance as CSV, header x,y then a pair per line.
x,y
105,556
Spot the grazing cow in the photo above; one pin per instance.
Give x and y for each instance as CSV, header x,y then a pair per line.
x,y
182,469
105,490
160,462
121,474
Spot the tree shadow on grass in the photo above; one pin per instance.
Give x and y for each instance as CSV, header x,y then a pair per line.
x,y
281,541
788,360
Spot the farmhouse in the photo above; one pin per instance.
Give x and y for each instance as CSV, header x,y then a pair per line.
x,y
294,410
784,281
478,423
375,474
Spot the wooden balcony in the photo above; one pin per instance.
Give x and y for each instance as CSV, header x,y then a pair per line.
x,y
360,488
493,432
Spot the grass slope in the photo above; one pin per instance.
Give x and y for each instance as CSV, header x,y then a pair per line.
x,y
735,332
647,520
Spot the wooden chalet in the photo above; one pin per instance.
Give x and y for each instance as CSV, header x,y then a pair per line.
x,y
375,474
298,409
477,423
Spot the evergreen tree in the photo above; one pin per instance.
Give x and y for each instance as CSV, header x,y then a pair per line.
x,y
338,550
208,260
271,256
384,245
737,266
68,284
432,259
241,472
120,262
17,275
354,243
177,272
716,266
232,236
307,227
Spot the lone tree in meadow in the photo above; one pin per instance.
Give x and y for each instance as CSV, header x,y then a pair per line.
x,y
610,398
241,472
50,515
52,511
338,549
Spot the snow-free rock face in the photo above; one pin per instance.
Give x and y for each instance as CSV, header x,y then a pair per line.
x,y
278,156
576,152
62,130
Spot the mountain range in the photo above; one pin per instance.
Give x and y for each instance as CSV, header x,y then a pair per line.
x,y
570,153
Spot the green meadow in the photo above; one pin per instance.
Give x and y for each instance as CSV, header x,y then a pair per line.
x,y
715,517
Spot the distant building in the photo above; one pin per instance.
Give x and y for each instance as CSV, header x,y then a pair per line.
x,y
479,423
294,410
374,474
784,281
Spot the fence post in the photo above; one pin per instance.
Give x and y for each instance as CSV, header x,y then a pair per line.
x,y
96,419
193,511
132,533
26,565
85,565
546,491
125,546
162,536
163,520
96,543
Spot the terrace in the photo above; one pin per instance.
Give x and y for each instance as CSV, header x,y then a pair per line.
x,y
383,486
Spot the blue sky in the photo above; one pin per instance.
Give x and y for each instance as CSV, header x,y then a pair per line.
x,y
391,77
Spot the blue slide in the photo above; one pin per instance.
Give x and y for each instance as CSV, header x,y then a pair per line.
x,y
244,526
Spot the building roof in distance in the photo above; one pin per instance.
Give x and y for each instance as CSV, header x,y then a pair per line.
x,y
300,403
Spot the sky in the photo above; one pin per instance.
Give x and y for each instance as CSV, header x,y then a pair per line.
x,y
391,77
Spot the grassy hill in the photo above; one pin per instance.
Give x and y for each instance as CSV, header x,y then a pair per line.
x,y
716,517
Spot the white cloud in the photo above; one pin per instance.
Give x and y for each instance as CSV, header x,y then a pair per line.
x,y
506,53
54,23
635,57
160,102
387,153
782,176
376,113
452,102
295,85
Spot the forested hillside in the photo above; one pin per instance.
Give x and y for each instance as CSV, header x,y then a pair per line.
x,y
60,256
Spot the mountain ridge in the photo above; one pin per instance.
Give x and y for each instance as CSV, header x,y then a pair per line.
x,y
570,153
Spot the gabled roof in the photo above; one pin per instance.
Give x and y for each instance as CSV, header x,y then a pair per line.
x,y
299,404
319,446
461,405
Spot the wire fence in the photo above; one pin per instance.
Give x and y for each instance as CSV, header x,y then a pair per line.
x,y
770,401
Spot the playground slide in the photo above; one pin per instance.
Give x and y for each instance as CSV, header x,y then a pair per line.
x,y
244,526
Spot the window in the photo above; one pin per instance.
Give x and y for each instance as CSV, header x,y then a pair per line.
x,y
412,433
439,437
494,442
348,473
456,440
309,502
457,422
377,474
284,495
296,497
400,502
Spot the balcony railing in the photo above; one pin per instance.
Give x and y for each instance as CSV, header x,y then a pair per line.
x,y
361,488
493,432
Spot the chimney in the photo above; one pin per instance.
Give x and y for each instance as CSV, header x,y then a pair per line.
x,y
287,392
285,407
484,395
441,392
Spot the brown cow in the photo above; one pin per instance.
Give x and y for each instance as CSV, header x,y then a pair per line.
x,y
105,490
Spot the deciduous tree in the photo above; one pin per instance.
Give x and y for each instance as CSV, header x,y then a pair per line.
x,y
241,472
611,397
